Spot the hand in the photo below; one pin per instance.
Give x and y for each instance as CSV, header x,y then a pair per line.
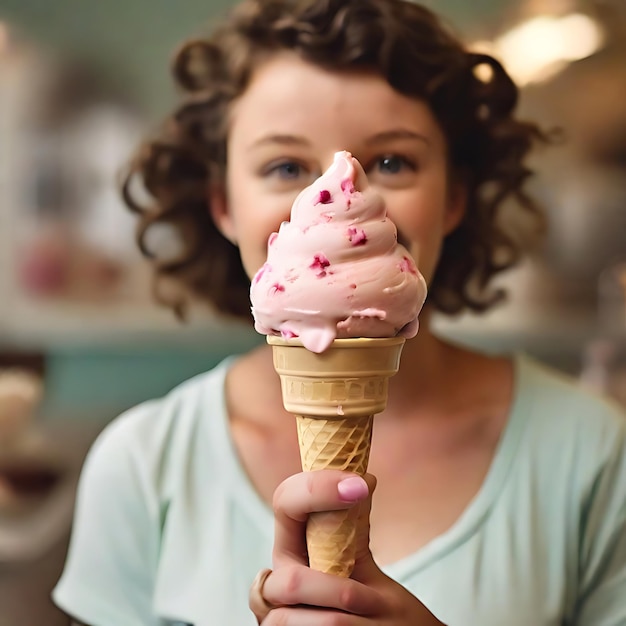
x,y
299,596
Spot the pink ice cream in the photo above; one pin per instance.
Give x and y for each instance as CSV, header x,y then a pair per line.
x,y
336,270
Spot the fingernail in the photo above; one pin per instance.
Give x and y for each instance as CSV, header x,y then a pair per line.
x,y
352,489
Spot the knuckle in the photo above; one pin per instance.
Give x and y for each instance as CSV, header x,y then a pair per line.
x,y
279,496
348,600
283,491
287,587
293,582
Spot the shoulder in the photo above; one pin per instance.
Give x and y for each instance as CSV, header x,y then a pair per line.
x,y
563,402
566,425
575,456
149,440
136,472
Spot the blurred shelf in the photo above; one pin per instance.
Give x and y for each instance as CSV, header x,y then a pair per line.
x,y
542,334
139,327
58,327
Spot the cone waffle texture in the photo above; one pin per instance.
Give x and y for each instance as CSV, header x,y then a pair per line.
x,y
333,444
334,396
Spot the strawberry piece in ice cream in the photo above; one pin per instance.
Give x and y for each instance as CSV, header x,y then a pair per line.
x,y
336,269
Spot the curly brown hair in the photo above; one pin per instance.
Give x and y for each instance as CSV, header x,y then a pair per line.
x,y
398,39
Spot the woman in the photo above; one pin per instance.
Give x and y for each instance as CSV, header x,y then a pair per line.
x,y
500,494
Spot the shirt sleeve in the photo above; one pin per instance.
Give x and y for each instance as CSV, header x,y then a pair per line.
x,y
109,572
602,595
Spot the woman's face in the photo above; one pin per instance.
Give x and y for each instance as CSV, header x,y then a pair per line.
x,y
283,134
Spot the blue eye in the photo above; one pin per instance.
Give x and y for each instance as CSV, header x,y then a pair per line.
x,y
393,170
289,170
391,164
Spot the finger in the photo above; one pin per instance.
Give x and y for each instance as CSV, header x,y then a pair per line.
x,y
256,596
302,494
323,490
300,585
310,616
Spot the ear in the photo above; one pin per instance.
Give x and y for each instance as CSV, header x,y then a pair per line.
x,y
457,205
218,208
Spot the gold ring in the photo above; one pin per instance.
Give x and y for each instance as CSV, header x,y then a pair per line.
x,y
257,602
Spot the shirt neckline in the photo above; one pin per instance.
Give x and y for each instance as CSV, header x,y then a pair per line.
x,y
479,507
466,525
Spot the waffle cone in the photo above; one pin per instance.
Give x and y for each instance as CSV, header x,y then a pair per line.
x,y
334,396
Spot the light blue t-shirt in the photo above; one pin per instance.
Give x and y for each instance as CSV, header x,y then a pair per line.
x,y
168,528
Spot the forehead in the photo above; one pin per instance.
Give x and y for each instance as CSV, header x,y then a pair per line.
x,y
296,95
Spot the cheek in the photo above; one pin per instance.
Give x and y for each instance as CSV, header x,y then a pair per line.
x,y
243,229
254,217
252,244
425,230
427,253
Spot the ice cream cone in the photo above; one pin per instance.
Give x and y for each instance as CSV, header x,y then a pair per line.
x,y
334,396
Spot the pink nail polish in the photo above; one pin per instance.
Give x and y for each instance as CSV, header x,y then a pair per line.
x,y
352,489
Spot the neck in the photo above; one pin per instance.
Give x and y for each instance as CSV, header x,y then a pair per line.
x,y
426,367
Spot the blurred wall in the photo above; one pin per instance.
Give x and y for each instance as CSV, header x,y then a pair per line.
x,y
79,381
132,40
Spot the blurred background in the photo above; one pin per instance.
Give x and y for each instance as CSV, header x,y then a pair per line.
x,y
80,339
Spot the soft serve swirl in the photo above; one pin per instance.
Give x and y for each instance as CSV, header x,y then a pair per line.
x,y
336,269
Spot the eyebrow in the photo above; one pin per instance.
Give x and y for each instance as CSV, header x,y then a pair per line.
x,y
388,135
285,140
395,134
